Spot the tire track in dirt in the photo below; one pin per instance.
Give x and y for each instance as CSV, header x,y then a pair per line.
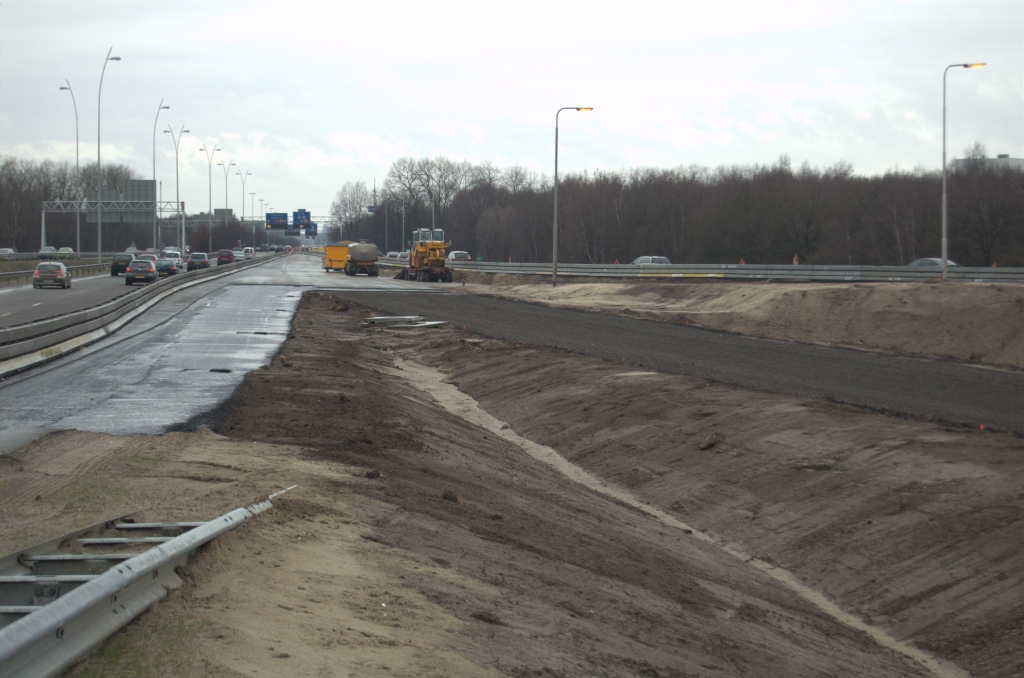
x,y
432,381
46,474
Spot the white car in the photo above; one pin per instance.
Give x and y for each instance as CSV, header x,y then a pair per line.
x,y
249,253
175,256
642,261
237,254
458,255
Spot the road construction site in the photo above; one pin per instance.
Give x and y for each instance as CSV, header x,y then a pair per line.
x,y
481,502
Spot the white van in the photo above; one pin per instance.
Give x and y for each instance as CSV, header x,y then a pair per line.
x,y
249,252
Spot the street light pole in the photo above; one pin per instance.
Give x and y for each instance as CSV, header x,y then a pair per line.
x,y
945,250
209,159
177,184
78,178
252,212
159,108
99,165
554,229
227,168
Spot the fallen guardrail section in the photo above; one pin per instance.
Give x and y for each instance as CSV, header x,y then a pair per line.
x,y
24,346
750,272
55,606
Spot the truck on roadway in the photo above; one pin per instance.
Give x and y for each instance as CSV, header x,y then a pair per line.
x,y
351,257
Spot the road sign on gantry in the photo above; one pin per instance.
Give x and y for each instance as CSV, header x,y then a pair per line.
x,y
300,218
277,220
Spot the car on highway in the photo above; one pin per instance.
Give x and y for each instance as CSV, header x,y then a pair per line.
x,y
6,252
458,255
140,270
403,257
175,256
263,248
48,252
119,262
66,253
166,267
928,262
248,253
391,255
238,253
643,261
198,260
225,257
146,257
51,273
131,250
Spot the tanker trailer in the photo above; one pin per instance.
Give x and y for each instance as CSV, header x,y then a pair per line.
x,y
362,258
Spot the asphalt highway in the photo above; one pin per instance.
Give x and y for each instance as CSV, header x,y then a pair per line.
x,y
24,304
177,362
946,391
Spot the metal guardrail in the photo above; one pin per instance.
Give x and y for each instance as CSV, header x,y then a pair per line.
x,y
55,606
749,272
31,337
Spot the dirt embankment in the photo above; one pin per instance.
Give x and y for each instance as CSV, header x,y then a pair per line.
x,y
969,322
419,544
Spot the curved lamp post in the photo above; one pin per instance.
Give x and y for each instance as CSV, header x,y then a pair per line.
x,y
227,168
159,108
554,230
945,249
209,159
99,166
177,191
78,177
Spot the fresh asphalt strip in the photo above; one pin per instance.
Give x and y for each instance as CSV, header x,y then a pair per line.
x,y
946,391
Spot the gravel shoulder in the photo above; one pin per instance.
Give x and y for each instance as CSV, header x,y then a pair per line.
x,y
487,561
969,322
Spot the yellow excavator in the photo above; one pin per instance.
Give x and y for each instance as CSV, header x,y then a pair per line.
x,y
426,257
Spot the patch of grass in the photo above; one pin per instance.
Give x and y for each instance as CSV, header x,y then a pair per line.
x,y
149,647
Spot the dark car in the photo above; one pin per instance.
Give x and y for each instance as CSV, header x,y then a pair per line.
x,y
263,248
51,273
225,257
119,262
140,270
166,267
48,252
198,260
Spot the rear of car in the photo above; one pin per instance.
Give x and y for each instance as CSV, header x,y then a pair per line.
x,y
51,273
248,253
66,253
47,252
225,257
147,257
119,262
140,270
458,255
165,267
198,260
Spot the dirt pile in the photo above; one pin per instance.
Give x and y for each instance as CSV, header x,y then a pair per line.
x,y
972,322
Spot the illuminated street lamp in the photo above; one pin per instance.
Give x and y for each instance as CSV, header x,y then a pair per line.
x,y
554,230
945,249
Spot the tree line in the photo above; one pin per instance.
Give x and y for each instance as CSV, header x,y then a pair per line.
x,y
752,213
25,184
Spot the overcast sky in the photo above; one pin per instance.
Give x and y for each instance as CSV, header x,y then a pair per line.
x,y
307,95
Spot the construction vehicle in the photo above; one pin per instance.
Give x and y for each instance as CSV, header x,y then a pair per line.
x,y
336,255
426,257
362,258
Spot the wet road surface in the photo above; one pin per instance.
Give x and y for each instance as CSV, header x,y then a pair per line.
x,y
947,391
174,363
